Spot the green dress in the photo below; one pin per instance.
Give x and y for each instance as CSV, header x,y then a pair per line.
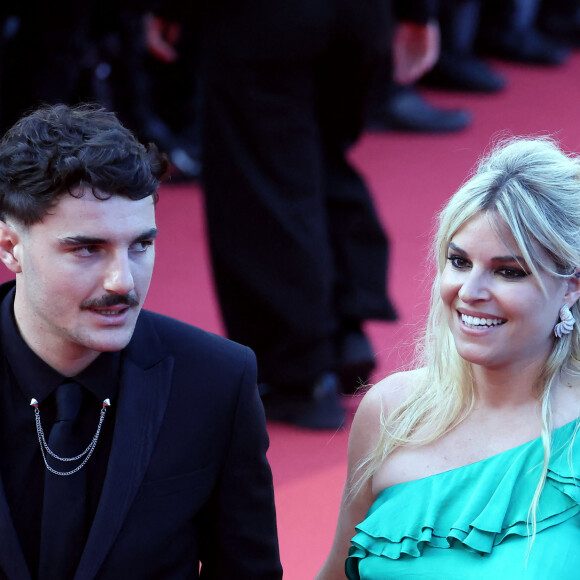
x,y
471,522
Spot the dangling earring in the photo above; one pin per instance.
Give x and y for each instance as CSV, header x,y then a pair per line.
x,y
567,322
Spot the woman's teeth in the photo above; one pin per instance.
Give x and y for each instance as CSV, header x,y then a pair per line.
x,y
475,321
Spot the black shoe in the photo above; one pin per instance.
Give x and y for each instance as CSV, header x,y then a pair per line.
x,y
406,110
463,72
357,361
319,409
529,47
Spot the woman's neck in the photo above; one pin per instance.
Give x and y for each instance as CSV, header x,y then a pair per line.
x,y
507,387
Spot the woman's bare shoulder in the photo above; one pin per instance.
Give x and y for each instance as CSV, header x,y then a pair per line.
x,y
380,400
392,391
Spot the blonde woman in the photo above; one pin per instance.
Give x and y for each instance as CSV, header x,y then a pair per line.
x,y
466,467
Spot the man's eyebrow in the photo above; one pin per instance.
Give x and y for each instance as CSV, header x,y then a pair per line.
x,y
81,240
508,258
150,234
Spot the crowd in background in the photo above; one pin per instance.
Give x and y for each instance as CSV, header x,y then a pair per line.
x,y
66,51
533,32
71,52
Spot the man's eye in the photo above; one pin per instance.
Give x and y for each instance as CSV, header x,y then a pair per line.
x,y
142,246
85,250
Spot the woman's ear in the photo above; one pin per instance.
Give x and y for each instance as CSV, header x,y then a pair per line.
x,y
9,241
573,292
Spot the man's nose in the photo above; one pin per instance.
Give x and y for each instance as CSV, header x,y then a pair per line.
x,y
119,277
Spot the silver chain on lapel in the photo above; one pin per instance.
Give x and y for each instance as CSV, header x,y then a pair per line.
x,y
44,448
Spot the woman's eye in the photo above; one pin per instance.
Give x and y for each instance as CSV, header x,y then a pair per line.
x,y
458,262
512,273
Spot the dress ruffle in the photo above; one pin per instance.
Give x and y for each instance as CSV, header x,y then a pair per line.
x,y
478,505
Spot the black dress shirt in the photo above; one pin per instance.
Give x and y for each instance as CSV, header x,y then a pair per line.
x,y
25,376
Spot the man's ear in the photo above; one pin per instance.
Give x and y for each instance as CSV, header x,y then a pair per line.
x,y
9,241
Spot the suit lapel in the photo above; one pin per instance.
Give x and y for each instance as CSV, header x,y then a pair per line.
x,y
142,401
12,561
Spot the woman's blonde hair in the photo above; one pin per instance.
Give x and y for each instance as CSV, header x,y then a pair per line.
x,y
531,185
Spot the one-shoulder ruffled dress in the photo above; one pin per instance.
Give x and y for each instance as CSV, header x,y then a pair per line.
x,y
471,522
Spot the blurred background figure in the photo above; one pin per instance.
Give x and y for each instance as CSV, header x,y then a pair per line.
x,y
510,31
458,67
299,256
398,106
158,100
71,52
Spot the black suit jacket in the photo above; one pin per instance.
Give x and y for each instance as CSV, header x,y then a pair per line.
x,y
187,481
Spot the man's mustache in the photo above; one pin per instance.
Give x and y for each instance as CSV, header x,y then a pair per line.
x,y
111,300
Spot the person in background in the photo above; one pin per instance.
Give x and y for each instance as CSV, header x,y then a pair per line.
x,y
511,30
466,467
298,253
458,67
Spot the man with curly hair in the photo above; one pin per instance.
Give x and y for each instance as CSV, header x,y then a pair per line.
x,y
141,440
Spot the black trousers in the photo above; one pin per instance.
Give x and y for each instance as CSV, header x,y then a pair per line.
x,y
298,253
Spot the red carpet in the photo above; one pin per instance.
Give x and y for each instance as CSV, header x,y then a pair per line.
x,y
410,176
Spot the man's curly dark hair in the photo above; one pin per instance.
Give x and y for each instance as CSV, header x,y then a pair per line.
x,y
59,149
